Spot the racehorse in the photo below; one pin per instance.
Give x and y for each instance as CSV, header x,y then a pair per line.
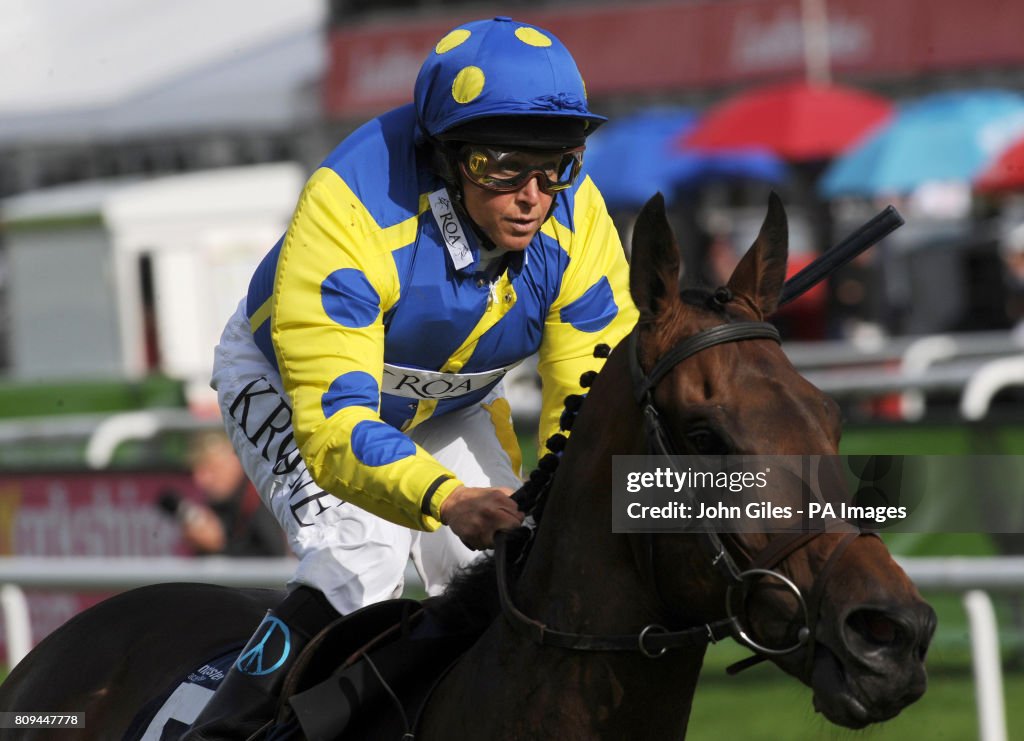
x,y
578,653
600,635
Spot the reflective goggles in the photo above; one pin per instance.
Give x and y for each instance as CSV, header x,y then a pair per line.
x,y
507,170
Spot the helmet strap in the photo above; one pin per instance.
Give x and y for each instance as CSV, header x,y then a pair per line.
x,y
482,239
443,163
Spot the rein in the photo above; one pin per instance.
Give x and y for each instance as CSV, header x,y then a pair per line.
x,y
654,640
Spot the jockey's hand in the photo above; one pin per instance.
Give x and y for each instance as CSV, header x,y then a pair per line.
x,y
202,529
476,513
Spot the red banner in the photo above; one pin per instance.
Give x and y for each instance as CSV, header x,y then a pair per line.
x,y
85,514
672,46
89,514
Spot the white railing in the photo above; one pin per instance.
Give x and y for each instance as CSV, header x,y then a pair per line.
x,y
139,425
106,574
972,576
90,574
978,364
100,574
988,671
909,352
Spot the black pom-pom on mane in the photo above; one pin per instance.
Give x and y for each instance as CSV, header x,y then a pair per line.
x,y
556,443
573,402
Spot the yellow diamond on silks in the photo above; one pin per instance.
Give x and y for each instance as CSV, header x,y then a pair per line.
x,y
453,39
468,84
532,36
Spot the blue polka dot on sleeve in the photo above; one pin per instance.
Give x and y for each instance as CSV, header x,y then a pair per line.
x,y
594,310
356,388
377,444
349,299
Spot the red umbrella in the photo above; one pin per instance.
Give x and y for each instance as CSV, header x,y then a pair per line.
x,y
795,120
1005,173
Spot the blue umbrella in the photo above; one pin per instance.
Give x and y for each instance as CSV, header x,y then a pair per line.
x,y
945,136
633,157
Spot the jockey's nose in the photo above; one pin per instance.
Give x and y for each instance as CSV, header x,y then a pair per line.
x,y
530,191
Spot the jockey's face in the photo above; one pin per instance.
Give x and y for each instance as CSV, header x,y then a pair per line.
x,y
510,218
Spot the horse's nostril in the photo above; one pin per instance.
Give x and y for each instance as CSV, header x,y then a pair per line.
x,y
880,629
876,628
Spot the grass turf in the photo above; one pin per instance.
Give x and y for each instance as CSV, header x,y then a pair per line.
x,y
774,707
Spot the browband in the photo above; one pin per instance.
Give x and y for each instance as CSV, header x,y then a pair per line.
x,y
723,333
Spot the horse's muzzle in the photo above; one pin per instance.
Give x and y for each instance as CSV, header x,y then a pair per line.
x,y
876,667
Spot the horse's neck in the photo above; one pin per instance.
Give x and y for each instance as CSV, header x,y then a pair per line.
x,y
579,578
578,570
580,575
508,686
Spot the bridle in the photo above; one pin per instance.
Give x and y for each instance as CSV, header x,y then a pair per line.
x,y
654,640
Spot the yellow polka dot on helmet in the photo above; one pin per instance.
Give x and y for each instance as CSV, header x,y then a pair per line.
x,y
453,39
468,84
532,36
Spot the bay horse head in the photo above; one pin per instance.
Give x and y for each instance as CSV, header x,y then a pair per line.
x,y
845,618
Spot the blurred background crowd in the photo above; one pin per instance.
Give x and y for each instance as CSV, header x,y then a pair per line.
x,y
151,153
141,180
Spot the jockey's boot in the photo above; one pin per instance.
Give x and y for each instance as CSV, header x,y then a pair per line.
x,y
247,697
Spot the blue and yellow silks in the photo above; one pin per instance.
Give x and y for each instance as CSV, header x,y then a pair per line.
x,y
363,277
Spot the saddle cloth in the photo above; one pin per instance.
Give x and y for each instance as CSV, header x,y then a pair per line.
x,y
172,713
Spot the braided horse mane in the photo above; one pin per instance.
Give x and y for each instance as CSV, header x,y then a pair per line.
x,y
470,602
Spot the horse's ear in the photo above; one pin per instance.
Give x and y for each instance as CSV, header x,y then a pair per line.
x,y
654,261
758,278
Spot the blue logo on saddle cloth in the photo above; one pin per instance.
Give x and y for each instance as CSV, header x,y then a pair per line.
x,y
267,650
181,707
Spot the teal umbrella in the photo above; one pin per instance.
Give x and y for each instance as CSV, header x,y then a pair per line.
x,y
945,136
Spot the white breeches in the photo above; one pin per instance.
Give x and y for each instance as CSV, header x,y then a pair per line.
x,y
355,558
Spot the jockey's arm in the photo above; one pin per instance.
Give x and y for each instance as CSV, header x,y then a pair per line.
x,y
335,280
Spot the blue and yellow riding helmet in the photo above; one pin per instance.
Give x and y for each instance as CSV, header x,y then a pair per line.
x,y
506,83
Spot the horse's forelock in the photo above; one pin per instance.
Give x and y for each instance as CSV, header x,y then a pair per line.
x,y
700,297
678,319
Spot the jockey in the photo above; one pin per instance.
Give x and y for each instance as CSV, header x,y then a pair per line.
x,y
435,248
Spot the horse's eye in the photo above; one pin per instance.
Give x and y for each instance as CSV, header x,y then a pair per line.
x,y
706,442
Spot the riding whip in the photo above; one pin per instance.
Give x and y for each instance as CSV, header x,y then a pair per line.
x,y
868,234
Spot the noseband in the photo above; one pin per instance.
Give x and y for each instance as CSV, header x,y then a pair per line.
x,y
654,640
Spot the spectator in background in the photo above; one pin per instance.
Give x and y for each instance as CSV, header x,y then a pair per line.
x,y
231,520
1011,250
